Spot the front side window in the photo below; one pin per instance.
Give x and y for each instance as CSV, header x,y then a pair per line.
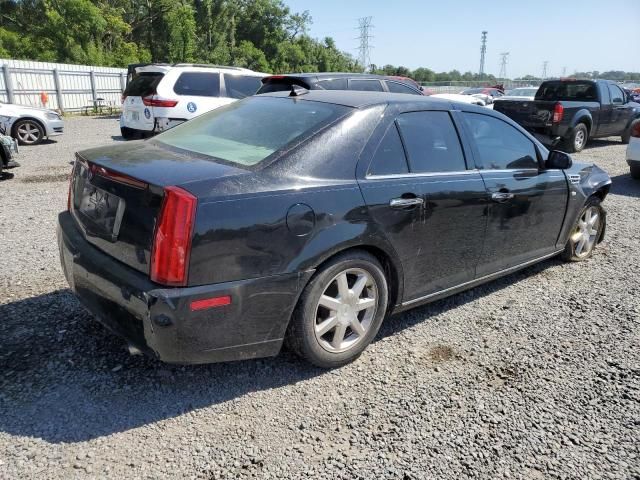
x,y
389,158
432,142
617,97
198,84
366,85
241,86
248,131
332,84
500,145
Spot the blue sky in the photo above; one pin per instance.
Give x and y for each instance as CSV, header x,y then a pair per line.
x,y
581,35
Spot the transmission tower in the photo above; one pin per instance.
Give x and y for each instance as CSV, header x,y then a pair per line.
x,y
503,65
365,27
564,72
483,51
545,64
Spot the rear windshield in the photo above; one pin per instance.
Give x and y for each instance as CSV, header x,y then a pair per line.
x,y
143,84
567,91
241,86
246,132
280,85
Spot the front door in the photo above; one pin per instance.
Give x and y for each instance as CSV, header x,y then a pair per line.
x,y
527,205
430,207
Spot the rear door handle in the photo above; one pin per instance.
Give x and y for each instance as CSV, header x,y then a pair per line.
x,y
405,202
501,196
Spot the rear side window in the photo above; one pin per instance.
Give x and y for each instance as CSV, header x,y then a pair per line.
x,y
143,84
198,84
332,84
396,87
569,91
389,157
500,145
246,132
432,142
241,86
366,85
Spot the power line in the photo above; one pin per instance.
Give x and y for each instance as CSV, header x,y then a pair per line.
x,y
364,55
545,64
483,51
503,65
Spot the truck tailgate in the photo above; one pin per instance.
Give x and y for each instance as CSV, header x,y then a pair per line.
x,y
531,114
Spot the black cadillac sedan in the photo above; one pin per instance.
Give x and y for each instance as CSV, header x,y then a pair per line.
x,y
308,217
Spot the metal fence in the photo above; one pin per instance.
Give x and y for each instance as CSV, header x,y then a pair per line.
x,y
65,87
457,87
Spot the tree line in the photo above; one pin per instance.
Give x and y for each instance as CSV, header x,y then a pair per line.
x,y
263,35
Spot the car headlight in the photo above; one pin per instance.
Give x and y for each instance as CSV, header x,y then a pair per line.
x,y
53,116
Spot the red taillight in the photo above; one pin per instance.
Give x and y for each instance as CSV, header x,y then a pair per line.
x,y
635,130
172,242
210,303
558,113
154,101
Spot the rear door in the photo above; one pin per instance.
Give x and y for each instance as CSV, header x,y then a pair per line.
x,y
197,92
426,202
527,205
135,114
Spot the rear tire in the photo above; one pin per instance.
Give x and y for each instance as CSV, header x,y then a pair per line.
x,y
578,138
586,232
130,133
635,171
340,311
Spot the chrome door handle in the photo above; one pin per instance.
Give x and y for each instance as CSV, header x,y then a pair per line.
x,y
501,196
405,202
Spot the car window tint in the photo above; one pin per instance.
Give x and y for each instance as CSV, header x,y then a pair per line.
x,y
332,84
366,85
389,157
616,94
199,84
431,141
143,84
241,86
396,87
500,145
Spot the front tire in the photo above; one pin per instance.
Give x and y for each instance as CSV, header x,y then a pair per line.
x,y
28,132
578,138
340,311
586,232
626,136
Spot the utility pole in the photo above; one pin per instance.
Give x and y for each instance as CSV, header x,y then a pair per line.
x,y
544,69
564,72
483,51
503,66
364,55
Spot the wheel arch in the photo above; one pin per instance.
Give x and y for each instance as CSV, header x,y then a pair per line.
x,y
583,117
33,119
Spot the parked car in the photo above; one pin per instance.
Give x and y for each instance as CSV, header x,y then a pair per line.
x,y
337,81
520,93
30,125
486,94
454,97
159,97
633,150
8,150
574,111
309,216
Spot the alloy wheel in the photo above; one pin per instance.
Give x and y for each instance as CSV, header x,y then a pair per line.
x,y
28,132
586,232
579,139
345,310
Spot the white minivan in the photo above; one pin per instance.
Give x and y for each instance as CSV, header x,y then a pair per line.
x,y
159,97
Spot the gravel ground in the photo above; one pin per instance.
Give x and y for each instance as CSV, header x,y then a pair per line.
x,y
536,375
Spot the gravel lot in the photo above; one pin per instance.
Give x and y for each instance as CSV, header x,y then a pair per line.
x,y
536,375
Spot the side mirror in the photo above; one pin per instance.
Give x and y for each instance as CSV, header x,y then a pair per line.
x,y
558,160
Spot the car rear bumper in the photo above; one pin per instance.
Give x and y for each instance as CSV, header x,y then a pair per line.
x,y
159,320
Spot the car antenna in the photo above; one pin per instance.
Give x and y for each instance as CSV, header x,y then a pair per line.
x,y
297,90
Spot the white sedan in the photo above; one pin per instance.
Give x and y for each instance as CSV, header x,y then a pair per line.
x,y
30,125
454,97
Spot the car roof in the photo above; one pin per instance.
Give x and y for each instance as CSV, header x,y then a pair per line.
x,y
358,99
164,68
330,75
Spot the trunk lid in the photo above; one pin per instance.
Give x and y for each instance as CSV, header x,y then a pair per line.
x,y
117,193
